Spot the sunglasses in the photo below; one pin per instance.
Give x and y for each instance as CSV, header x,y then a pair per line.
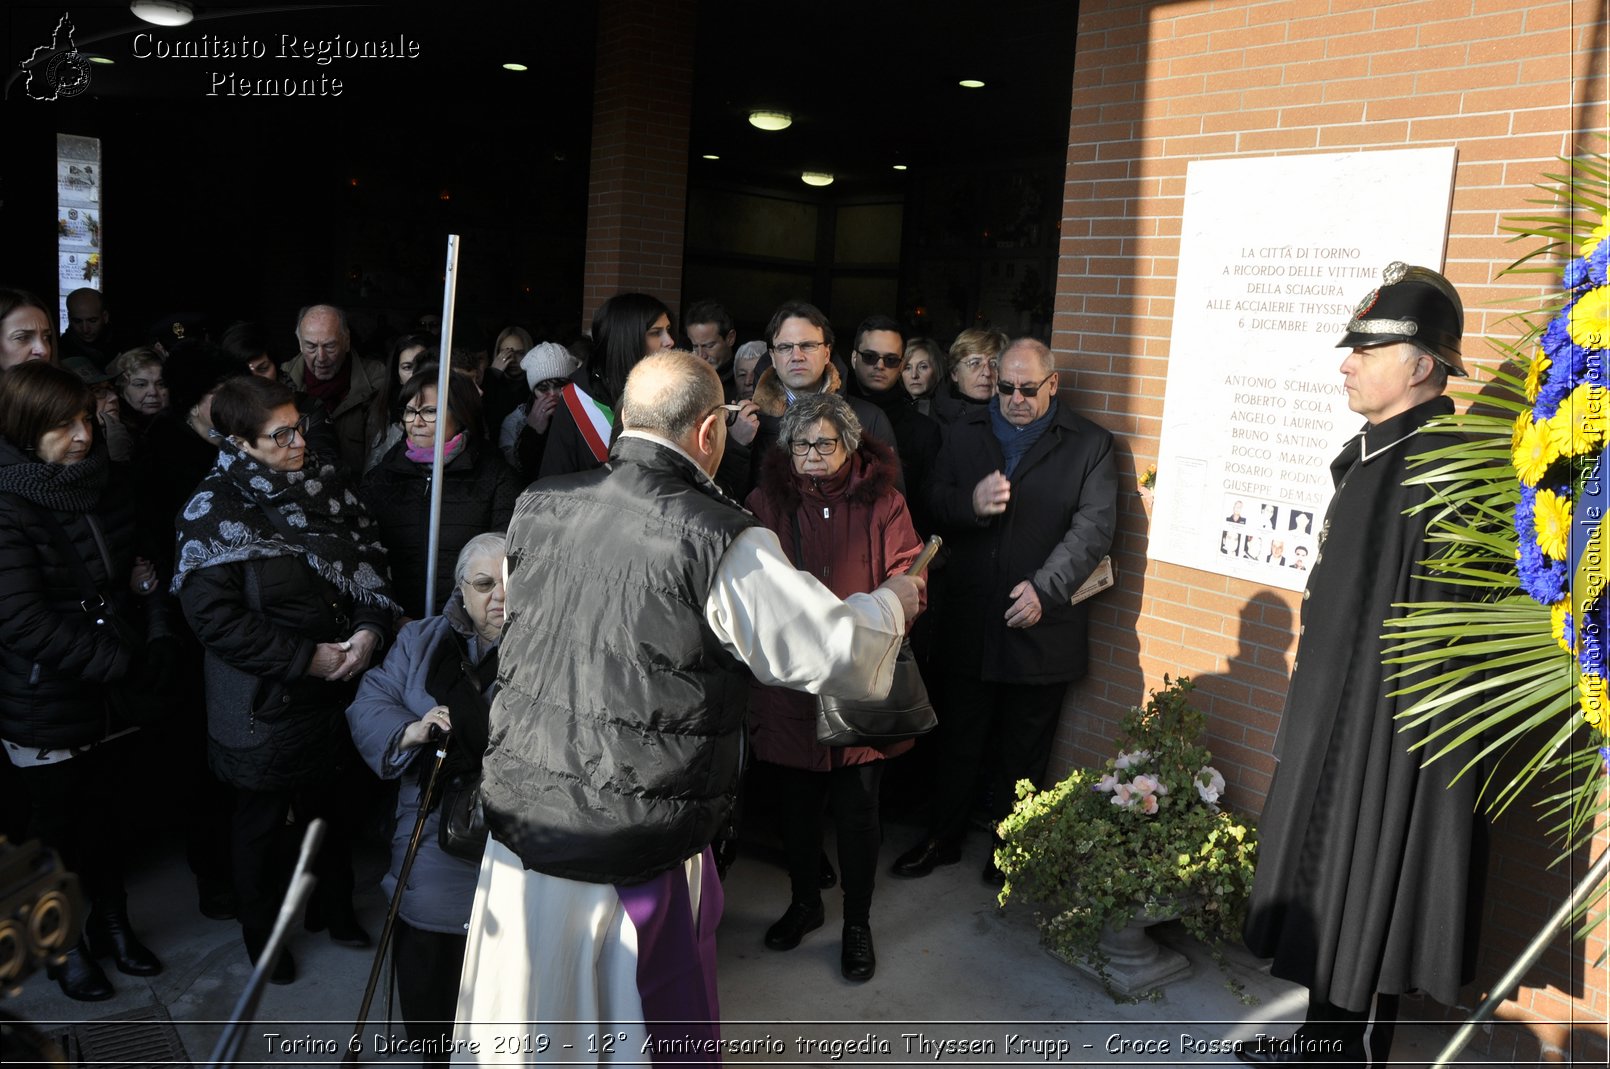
x,y
888,360
1028,390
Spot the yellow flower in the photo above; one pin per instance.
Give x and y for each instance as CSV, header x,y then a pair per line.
x,y
1534,452
1553,522
1578,426
1595,702
1590,319
1557,613
1534,373
1598,234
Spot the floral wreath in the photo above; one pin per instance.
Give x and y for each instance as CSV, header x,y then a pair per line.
x,y
1557,448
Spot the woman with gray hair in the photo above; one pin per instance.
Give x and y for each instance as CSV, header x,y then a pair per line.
x,y
829,495
441,674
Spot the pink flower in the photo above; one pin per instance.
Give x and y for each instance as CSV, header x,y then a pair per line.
x,y
1122,796
1209,784
1107,783
1132,760
1148,804
1148,785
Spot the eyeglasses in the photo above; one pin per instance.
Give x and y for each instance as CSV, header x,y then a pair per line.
x,y
549,386
888,360
428,414
484,584
809,348
1028,390
731,411
973,363
825,447
284,436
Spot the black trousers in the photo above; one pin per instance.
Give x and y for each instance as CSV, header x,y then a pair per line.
x,y
1363,1036
264,848
76,808
998,731
428,966
850,793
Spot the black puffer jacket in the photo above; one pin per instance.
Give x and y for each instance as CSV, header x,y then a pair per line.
x,y
270,725
54,661
614,749
478,496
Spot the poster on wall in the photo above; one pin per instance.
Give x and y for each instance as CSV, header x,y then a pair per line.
x,y
78,216
1274,255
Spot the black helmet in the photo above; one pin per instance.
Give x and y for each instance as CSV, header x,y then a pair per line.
x,y
1416,305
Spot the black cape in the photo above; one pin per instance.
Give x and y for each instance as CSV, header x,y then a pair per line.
x,y
1366,877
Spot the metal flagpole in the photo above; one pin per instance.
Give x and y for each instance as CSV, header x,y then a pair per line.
x,y
444,368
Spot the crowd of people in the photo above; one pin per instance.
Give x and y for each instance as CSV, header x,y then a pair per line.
x,y
258,524
233,555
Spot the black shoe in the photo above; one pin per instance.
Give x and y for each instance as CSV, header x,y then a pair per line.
x,y
216,899
791,928
828,878
284,971
107,934
857,961
80,977
344,929
920,860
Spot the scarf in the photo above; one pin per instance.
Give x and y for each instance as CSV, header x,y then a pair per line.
x,y
427,454
244,510
331,391
59,487
1016,441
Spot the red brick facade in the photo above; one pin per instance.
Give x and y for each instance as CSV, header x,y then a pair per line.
x,y
637,189
1513,84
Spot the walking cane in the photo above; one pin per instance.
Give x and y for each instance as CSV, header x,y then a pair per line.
x,y
355,1045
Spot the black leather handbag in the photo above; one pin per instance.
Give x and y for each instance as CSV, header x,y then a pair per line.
x,y
461,831
905,714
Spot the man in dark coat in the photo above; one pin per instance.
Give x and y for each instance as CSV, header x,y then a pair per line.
x,y
875,365
1368,866
1026,496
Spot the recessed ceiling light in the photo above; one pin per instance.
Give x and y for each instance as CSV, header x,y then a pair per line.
x,y
816,178
770,120
102,59
710,156
970,83
163,12
515,67
899,166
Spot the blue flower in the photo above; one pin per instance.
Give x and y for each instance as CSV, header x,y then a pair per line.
x,y
1598,263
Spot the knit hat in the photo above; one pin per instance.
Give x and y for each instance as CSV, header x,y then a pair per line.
x,y
546,360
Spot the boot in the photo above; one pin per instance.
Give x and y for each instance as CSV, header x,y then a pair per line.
x,y
107,932
342,922
80,977
284,971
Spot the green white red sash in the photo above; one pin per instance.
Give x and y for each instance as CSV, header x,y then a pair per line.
x,y
595,421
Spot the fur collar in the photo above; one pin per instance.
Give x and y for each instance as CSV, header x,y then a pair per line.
x,y
771,396
871,477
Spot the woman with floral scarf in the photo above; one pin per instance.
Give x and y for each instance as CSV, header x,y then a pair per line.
x,y
281,577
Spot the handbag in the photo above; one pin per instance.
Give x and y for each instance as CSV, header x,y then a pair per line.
x,y
904,714
461,831
461,828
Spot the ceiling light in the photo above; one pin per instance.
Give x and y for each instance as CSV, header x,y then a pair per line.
x,y
970,83
770,120
816,178
515,67
163,12
899,166
710,156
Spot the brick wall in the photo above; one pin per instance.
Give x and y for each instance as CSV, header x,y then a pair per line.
x,y
1513,84
638,183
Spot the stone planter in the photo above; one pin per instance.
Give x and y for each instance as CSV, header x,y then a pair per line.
x,y
1136,962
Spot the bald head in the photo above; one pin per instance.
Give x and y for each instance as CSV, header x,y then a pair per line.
x,y
86,314
1040,352
669,394
323,338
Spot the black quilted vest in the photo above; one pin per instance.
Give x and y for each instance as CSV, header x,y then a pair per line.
x,y
613,752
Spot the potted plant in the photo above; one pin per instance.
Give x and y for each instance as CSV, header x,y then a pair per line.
x,y
1138,841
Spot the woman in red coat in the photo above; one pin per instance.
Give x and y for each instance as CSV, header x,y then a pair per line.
x,y
829,496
